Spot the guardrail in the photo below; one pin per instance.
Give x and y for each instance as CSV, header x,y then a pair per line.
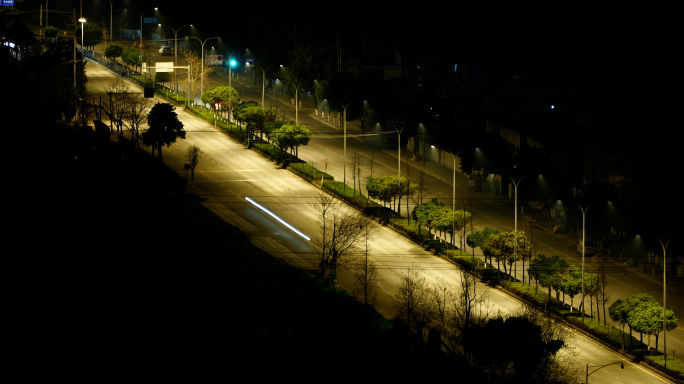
x,y
122,71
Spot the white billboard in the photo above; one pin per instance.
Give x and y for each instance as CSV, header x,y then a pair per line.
x,y
165,67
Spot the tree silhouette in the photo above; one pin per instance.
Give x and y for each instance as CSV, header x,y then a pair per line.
x,y
164,127
513,349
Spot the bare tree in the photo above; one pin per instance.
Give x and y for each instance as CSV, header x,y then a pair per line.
x,y
194,153
365,274
459,311
599,267
415,303
194,60
120,95
342,234
136,118
127,110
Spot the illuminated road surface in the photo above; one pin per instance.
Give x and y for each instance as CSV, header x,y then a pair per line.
x,y
227,173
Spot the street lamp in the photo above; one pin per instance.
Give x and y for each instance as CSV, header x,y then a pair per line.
x,y
175,50
111,10
344,168
202,47
141,29
399,160
584,237
664,245
515,226
82,20
453,198
622,366
263,85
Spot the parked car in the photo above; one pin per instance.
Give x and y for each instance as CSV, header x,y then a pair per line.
x,y
163,51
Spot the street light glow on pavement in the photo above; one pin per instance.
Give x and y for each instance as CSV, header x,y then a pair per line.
x,y
278,218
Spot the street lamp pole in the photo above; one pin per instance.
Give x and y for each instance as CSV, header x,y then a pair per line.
x,y
515,225
584,237
399,154
111,11
175,51
202,64
263,85
453,198
82,20
344,168
141,29
664,245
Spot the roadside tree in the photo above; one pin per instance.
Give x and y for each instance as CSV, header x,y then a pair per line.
x,y
134,58
502,247
194,61
255,119
477,238
222,94
365,273
528,225
120,96
163,127
113,51
619,313
50,31
571,284
193,156
290,137
92,34
415,303
459,311
528,354
547,271
162,77
135,116
342,235
645,315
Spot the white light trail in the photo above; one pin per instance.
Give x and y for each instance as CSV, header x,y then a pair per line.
x,y
278,218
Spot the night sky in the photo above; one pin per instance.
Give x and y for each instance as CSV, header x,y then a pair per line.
x,y
613,66
612,42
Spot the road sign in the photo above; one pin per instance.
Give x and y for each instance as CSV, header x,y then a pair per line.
x,y
325,160
396,123
213,60
150,20
8,3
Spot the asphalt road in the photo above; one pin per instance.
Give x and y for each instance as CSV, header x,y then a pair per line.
x,y
228,173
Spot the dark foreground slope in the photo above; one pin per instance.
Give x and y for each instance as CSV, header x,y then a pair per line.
x,y
118,267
